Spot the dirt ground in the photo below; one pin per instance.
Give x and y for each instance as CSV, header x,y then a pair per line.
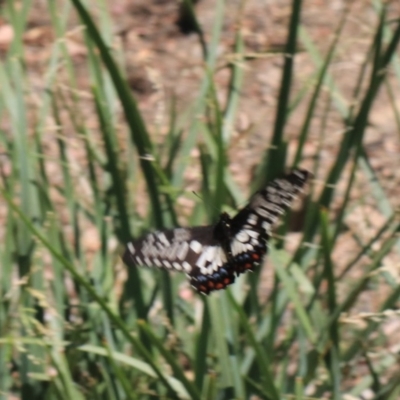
x,y
162,63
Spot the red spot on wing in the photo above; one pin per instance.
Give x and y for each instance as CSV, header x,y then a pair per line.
x,y
203,289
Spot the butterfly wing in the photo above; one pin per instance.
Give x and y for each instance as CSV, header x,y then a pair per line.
x,y
211,256
252,226
194,251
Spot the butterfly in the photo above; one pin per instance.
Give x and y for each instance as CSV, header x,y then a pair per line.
x,y
212,256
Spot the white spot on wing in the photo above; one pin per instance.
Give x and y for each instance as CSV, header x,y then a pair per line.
x,y
157,262
160,246
181,235
177,266
272,190
258,201
287,186
210,253
147,261
274,198
217,265
131,248
171,252
266,225
300,173
203,270
237,247
252,234
252,219
182,251
201,260
196,246
150,238
162,238
264,213
275,208
139,260
220,256
186,266
166,263
242,236
149,250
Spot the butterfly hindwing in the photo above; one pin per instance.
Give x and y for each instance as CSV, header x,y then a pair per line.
x,y
194,251
175,249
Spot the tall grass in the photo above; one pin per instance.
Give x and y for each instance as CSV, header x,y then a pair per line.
x,y
76,324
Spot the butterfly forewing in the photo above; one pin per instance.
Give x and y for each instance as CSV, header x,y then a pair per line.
x,y
252,226
211,256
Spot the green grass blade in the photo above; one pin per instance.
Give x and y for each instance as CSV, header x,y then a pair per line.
x,y
190,142
177,369
139,133
272,160
139,365
292,294
333,358
91,291
315,97
264,363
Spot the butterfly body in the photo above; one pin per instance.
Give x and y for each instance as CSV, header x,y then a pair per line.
x,y
212,256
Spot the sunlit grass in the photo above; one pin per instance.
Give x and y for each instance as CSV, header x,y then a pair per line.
x,y
75,323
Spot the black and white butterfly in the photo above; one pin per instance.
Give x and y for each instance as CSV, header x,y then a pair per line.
x,y
211,256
